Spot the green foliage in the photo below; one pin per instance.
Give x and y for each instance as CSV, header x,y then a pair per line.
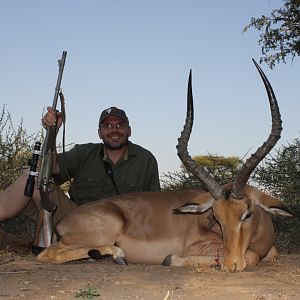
x,y
223,169
89,293
15,148
280,37
279,175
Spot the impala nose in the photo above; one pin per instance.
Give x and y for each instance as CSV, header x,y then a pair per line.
x,y
231,268
236,265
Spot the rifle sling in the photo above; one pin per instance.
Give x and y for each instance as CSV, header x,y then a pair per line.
x,y
63,114
46,203
108,170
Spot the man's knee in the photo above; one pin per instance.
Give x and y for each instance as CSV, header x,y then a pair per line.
x,y
13,200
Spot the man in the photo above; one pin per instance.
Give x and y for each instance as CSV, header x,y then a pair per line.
x,y
96,171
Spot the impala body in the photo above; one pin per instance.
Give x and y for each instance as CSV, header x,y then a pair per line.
x,y
183,227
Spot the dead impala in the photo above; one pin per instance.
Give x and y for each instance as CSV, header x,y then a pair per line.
x,y
175,228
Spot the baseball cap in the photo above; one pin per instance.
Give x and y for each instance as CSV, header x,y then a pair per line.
x,y
113,111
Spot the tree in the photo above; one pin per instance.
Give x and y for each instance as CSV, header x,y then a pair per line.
x,y
15,148
223,169
280,37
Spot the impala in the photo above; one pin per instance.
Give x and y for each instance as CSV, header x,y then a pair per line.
x,y
181,227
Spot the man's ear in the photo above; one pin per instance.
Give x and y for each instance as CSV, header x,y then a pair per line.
x,y
99,133
129,131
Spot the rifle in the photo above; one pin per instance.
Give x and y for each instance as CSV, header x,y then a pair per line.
x,y
44,226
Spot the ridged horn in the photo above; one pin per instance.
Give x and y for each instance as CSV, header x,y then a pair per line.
x,y
207,180
244,173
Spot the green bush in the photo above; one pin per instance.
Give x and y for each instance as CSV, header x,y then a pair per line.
x,y
223,169
279,175
15,149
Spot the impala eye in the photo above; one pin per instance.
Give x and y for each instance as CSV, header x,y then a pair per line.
x,y
248,215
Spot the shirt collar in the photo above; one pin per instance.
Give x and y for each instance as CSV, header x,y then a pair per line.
x,y
130,152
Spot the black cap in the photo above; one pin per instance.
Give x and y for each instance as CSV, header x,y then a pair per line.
x,y
113,111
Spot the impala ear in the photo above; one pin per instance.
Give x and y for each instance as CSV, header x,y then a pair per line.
x,y
194,208
280,211
269,203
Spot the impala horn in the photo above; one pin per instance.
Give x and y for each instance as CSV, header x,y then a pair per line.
x,y
207,180
244,173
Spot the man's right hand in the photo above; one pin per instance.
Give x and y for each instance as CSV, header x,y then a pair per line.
x,y
51,117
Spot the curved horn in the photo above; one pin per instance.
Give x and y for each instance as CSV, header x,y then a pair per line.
x,y
210,184
251,163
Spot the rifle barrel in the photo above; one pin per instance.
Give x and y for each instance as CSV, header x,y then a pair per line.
x,y
50,139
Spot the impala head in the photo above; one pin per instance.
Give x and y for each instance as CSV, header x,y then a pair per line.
x,y
233,205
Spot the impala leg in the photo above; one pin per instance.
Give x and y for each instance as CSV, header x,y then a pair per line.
x,y
251,259
116,252
272,255
58,253
174,260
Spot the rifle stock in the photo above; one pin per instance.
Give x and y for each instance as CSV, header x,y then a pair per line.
x,y
44,232
44,225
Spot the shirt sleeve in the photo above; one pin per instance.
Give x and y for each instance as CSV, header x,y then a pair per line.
x,y
154,184
68,162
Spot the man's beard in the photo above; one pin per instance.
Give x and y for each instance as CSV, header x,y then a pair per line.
x,y
115,147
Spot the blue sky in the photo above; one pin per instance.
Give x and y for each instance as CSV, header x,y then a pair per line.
x,y
136,55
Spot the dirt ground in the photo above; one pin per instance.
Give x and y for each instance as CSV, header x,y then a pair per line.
x,y
22,277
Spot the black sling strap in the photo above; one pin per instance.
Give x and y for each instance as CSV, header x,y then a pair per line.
x,y
108,170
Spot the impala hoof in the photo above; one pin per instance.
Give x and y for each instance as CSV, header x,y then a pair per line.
x,y
167,261
95,254
120,261
36,250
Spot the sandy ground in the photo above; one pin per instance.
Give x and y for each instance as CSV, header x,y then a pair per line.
x,y
22,277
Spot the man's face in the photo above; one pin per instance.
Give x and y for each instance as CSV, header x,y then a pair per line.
x,y
114,132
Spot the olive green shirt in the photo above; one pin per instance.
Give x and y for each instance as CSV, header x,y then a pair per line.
x,y
137,171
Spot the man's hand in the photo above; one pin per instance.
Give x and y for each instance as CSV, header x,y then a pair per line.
x,y
52,118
